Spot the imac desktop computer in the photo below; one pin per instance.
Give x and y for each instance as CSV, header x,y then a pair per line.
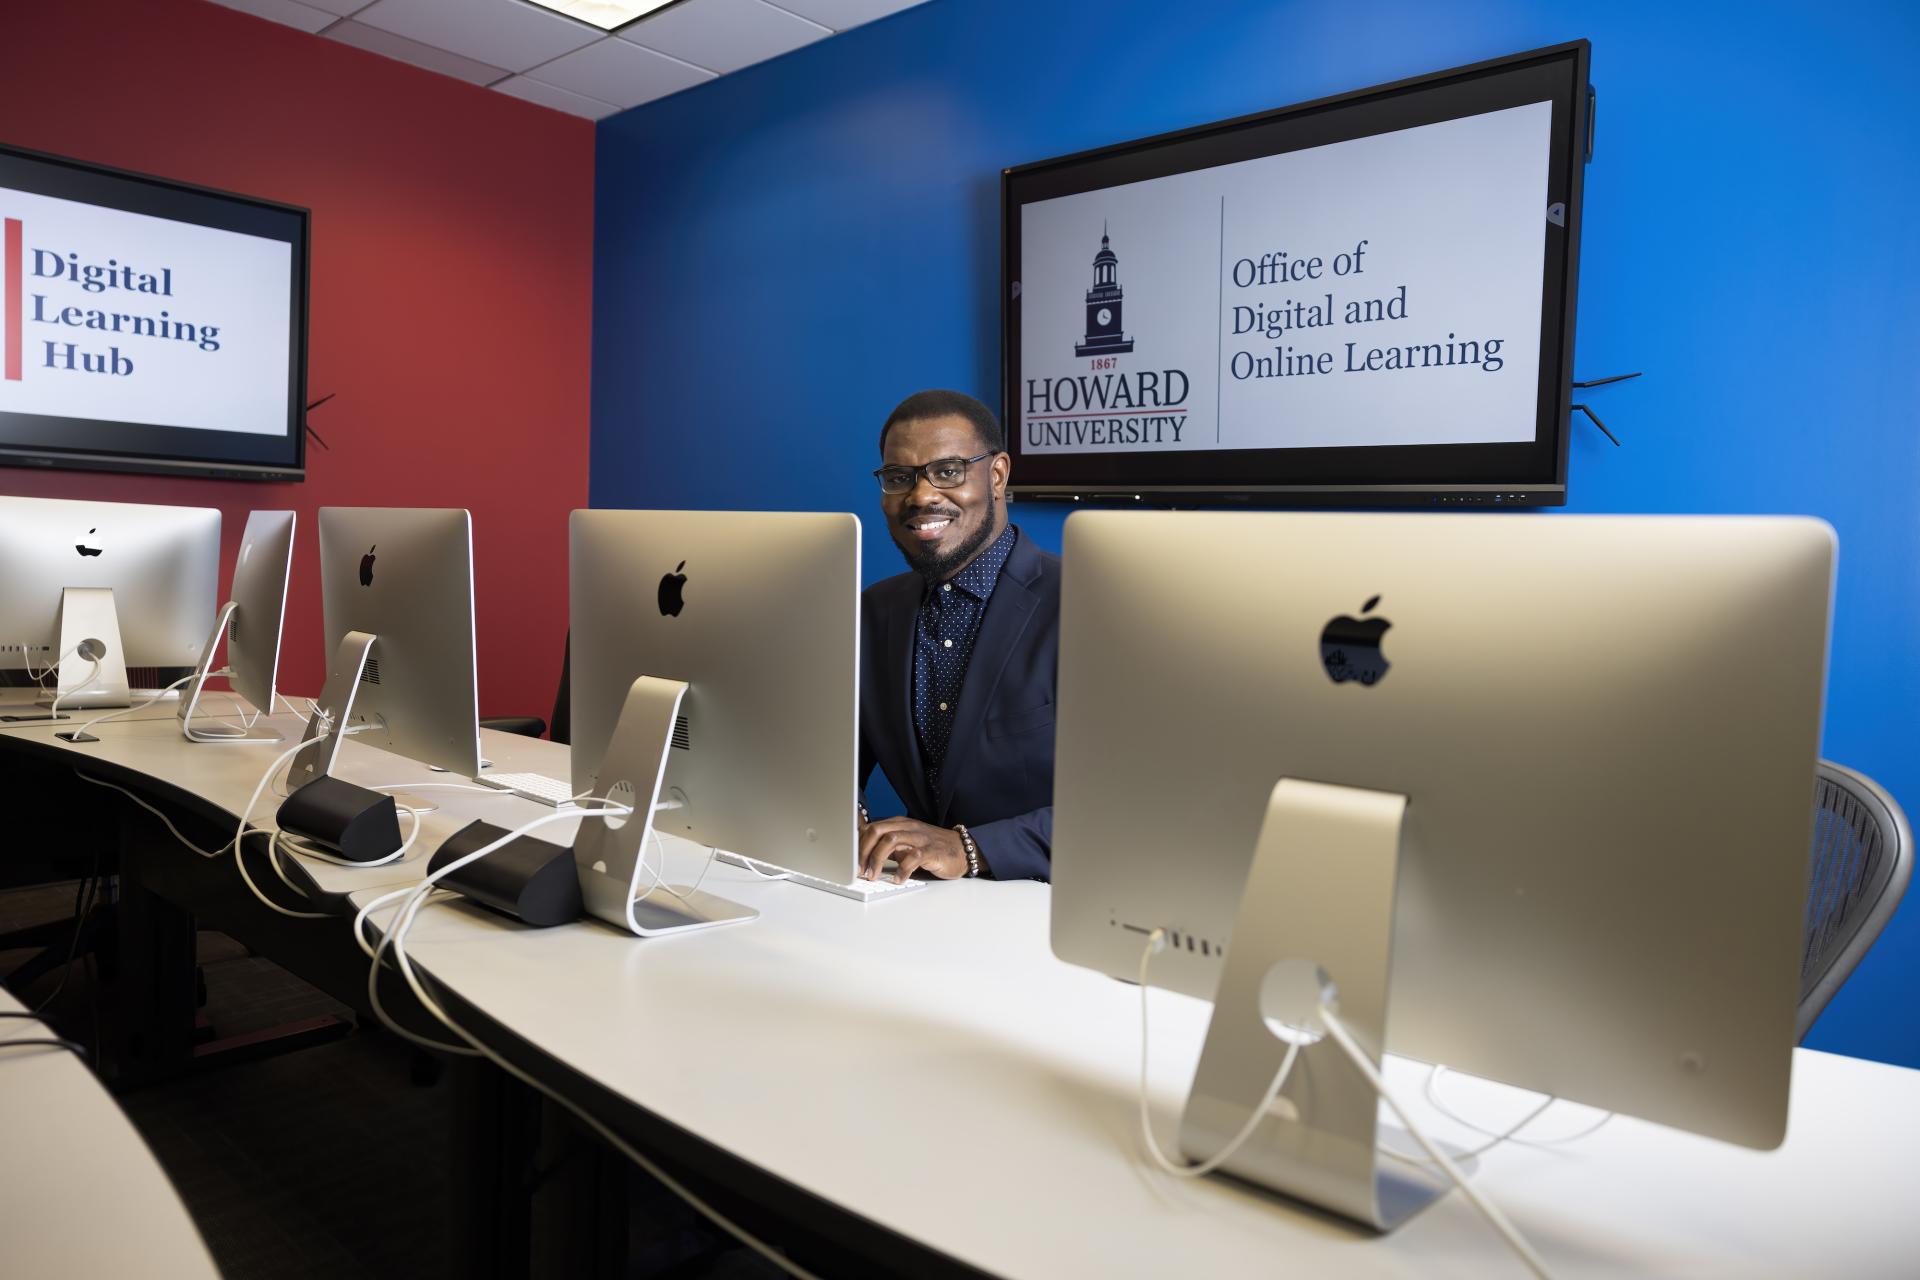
x,y
1529,797
250,622
89,589
396,589
715,678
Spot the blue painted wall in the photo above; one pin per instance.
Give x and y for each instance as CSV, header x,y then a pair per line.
x,y
785,253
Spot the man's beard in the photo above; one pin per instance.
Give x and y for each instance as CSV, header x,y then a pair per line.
x,y
937,566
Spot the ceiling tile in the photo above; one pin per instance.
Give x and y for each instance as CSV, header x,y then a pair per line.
x,y
841,14
345,8
289,12
374,40
559,99
621,73
500,33
724,35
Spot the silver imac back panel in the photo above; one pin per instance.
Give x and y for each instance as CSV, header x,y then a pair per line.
x,y
404,575
260,575
759,614
1605,729
162,564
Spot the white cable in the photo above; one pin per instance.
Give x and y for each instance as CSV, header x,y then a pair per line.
x,y
246,814
415,895
1432,1091
360,918
378,954
40,678
246,722
1494,1139
241,862
373,986
279,866
92,675
396,934
26,663
713,852
127,711
1488,1210
240,834
1239,1139
753,865
156,813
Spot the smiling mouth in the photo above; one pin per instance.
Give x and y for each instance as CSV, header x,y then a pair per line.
x,y
927,528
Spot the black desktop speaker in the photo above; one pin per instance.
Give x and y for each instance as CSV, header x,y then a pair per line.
x,y
360,825
531,880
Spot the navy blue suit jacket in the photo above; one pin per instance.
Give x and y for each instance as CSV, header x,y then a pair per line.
x,y
998,775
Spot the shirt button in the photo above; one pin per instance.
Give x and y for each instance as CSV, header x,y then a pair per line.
x,y
943,706
946,586
947,643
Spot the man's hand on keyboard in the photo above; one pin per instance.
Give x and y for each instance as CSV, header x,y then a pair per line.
x,y
915,846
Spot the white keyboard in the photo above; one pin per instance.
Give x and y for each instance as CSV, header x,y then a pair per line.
x,y
536,787
858,890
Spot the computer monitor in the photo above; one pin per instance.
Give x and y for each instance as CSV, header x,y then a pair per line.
x,y
251,622
396,587
757,614
138,579
1602,732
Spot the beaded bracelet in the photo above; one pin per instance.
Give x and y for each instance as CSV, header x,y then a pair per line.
x,y
973,850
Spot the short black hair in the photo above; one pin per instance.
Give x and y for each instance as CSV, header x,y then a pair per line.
x,y
939,404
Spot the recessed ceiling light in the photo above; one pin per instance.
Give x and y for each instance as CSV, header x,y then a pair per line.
x,y
608,15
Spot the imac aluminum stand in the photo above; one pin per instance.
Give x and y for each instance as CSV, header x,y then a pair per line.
x,y
335,704
609,849
1317,912
87,613
363,825
190,696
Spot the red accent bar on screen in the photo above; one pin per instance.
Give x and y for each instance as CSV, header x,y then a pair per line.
x,y
13,299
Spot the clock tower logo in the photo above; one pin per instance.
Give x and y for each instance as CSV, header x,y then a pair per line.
x,y
1103,336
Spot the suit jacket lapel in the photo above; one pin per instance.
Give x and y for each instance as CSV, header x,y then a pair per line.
x,y
900,627
1008,613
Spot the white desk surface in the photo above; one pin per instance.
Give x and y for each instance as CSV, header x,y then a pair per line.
x,y
218,706
21,700
80,1194
928,1064
225,774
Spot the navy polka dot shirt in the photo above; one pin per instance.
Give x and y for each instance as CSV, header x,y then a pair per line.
x,y
943,636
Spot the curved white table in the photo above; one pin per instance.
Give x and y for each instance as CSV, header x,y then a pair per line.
x,y
81,1196
927,1066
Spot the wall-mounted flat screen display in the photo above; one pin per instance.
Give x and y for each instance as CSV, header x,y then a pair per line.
x,y
1366,299
148,325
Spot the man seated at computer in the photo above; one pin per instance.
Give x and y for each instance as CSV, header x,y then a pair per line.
x,y
958,658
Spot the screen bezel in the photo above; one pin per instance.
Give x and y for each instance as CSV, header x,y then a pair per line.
x,y
1528,473
92,444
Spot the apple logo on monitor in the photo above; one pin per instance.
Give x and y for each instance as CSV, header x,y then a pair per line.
x,y
86,550
366,567
671,602
1350,647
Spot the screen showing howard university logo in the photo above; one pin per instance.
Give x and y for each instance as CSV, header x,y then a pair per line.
x,y
1106,402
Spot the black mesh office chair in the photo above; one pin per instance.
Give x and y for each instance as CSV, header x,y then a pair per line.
x,y
534,726
1862,855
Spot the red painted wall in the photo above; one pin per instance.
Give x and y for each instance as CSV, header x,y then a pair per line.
x,y
452,274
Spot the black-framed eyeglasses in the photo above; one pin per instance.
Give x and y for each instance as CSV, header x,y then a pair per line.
x,y
941,473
